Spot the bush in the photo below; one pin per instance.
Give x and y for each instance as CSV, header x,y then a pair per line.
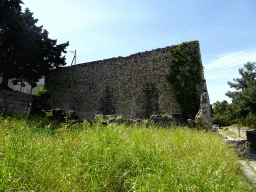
x,y
40,91
58,114
7,114
41,113
72,115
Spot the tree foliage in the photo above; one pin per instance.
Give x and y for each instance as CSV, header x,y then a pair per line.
x,y
28,53
220,107
242,110
9,13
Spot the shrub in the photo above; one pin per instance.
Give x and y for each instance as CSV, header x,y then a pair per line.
x,y
7,114
72,115
40,91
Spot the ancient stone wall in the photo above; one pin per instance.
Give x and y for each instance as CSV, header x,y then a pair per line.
x,y
133,86
15,102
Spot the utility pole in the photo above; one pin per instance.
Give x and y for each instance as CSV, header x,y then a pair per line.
x,y
73,57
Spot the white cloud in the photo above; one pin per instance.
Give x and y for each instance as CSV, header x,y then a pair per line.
x,y
232,60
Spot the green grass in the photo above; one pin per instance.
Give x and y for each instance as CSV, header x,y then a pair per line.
x,y
83,157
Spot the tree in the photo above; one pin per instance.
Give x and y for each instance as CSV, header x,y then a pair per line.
x,y
245,99
9,11
242,110
220,107
249,97
247,76
30,54
43,53
221,113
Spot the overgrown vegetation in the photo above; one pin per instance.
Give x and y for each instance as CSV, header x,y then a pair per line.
x,y
41,155
41,91
185,84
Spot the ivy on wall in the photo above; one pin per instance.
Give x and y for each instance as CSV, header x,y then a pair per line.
x,y
185,88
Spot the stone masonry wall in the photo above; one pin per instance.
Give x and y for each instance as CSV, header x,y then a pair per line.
x,y
118,85
15,101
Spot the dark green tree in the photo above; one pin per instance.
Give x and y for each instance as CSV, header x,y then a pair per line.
x,y
28,52
9,13
221,113
242,110
244,100
220,107
247,76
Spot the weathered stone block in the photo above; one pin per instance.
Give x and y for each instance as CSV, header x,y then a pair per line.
x,y
204,114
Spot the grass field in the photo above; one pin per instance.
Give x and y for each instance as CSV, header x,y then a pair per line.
x,y
36,155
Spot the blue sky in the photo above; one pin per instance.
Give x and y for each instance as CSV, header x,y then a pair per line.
x,y
99,29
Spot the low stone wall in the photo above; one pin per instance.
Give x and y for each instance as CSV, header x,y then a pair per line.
x,y
16,102
238,132
249,135
22,103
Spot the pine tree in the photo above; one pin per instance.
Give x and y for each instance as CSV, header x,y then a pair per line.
x,y
28,52
245,99
9,13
